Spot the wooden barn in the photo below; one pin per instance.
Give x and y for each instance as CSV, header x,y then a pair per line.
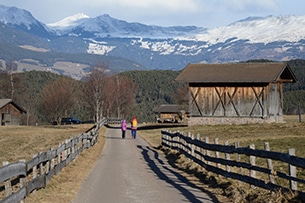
x,y
10,112
171,113
236,93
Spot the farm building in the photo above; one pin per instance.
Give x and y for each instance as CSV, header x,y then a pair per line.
x,y
171,113
10,112
236,93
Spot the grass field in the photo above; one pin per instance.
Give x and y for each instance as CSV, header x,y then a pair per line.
x,y
22,142
281,137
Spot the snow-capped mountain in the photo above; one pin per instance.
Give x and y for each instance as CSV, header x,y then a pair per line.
x,y
106,26
278,38
23,20
255,29
259,30
15,16
69,21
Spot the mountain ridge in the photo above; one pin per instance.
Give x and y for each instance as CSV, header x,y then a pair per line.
x,y
277,38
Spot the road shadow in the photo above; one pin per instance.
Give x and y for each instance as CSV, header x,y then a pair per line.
x,y
154,167
148,127
160,126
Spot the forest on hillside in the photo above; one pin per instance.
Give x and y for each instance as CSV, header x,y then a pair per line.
x,y
294,93
153,88
48,97
149,89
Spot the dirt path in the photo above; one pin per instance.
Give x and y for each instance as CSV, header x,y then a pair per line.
x,y
129,170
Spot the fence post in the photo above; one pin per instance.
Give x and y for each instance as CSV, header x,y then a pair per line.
x,y
207,140
292,171
227,156
7,184
217,153
189,150
192,147
238,159
52,164
68,150
181,142
162,138
48,166
184,144
167,138
34,172
252,162
64,153
171,141
59,155
73,147
174,140
178,142
40,165
269,164
22,180
237,145
198,148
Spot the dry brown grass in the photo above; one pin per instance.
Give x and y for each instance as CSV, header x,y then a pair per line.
x,y
22,142
281,137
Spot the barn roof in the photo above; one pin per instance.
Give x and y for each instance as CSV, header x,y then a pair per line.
x,y
237,73
170,108
4,102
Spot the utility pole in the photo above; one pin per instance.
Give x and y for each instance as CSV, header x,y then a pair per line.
x,y
300,113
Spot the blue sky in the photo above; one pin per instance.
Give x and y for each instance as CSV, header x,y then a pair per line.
x,y
203,13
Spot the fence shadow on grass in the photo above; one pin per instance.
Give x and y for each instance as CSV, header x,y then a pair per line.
x,y
162,170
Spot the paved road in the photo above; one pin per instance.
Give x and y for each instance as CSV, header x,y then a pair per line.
x,y
129,170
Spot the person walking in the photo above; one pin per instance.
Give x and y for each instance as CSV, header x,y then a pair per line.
x,y
123,128
134,124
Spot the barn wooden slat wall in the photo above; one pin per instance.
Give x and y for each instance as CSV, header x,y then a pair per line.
x,y
237,101
238,93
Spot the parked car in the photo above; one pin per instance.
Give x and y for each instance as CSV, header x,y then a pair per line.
x,y
67,121
167,120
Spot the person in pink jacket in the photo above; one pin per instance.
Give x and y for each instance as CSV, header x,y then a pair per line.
x,y
123,128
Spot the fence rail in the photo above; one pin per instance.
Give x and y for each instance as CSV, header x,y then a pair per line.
x,y
201,151
17,180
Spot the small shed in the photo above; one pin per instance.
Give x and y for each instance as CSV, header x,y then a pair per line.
x,y
10,112
172,113
236,93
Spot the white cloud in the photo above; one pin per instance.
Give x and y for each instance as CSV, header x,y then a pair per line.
x,y
250,4
171,5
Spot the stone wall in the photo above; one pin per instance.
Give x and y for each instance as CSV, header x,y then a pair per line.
x,y
230,120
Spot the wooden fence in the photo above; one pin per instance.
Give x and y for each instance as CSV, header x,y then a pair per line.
x,y
226,160
19,179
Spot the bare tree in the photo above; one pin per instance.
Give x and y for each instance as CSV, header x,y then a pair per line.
x,y
10,81
95,88
125,95
13,86
57,99
109,97
181,94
